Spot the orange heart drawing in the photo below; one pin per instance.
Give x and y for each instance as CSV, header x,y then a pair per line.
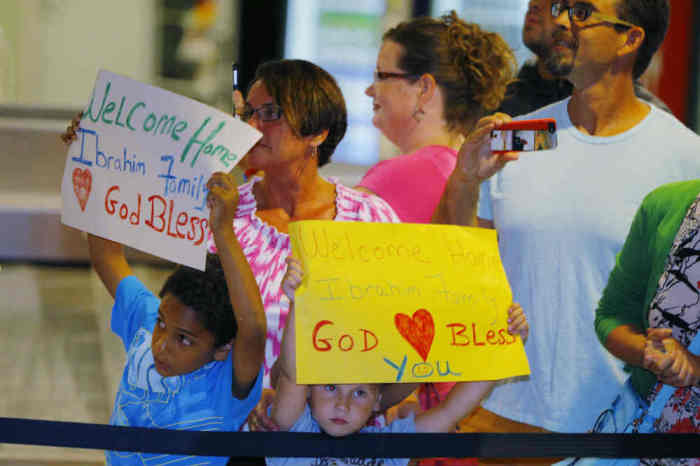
x,y
418,330
82,184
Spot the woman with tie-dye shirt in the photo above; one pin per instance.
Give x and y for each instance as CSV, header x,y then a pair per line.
x,y
301,112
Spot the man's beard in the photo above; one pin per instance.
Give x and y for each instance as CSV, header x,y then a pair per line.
x,y
559,65
538,47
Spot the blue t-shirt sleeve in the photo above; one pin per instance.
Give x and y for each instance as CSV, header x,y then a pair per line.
x,y
134,307
246,405
305,423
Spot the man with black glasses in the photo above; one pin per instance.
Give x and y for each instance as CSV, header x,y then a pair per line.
x,y
536,86
562,215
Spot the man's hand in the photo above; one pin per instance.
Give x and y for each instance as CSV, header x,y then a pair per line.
x,y
475,163
475,160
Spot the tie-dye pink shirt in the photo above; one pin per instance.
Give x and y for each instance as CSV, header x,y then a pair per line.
x,y
266,249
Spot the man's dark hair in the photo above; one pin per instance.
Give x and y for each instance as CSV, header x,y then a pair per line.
x,y
310,98
653,17
207,294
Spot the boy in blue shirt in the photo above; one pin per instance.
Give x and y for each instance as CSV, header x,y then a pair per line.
x,y
192,362
344,409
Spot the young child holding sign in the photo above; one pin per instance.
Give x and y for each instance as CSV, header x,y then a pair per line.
x,y
344,409
192,361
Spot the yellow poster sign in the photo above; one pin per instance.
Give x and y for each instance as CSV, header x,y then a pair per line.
x,y
387,302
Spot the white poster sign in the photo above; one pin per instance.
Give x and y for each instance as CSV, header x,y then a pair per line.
x,y
137,172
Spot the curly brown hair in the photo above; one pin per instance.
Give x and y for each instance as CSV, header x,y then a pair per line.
x,y
472,66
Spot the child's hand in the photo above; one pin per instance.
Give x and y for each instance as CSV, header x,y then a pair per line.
x,y
71,130
222,200
292,279
517,322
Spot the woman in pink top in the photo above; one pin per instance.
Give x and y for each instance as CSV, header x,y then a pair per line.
x,y
434,79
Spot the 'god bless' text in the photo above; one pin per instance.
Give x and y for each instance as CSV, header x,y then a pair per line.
x,y
159,215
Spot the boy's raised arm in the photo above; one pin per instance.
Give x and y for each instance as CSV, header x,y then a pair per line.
x,y
290,401
107,256
249,344
109,262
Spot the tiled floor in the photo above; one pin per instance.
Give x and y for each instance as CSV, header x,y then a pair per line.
x,y
58,358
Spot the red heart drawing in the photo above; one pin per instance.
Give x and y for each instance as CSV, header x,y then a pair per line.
x,y
82,184
418,330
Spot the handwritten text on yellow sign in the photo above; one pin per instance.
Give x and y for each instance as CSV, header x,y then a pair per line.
x,y
401,302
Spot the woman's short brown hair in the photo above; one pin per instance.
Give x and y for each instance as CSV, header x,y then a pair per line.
x,y
310,99
473,67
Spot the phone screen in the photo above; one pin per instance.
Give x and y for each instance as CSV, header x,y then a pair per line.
x,y
523,139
